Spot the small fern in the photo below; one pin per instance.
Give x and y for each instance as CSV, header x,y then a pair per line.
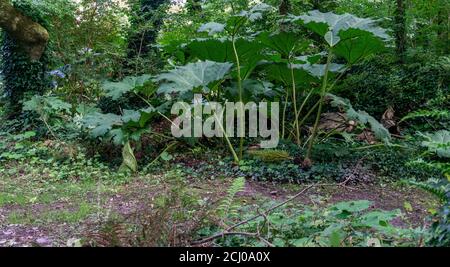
x,y
227,208
434,113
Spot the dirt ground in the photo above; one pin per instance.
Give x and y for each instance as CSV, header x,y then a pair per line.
x,y
130,198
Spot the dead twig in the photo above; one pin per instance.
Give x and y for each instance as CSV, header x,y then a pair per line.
x,y
227,232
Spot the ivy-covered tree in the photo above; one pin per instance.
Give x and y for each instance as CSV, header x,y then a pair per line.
x,y
146,24
400,30
194,6
24,58
29,35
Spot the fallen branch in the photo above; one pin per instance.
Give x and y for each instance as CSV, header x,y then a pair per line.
x,y
227,232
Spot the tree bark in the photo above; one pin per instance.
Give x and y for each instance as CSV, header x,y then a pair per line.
x,y
30,35
284,8
400,30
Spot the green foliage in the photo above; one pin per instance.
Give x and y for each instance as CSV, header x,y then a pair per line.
x,y
361,116
227,207
351,37
376,84
438,142
271,155
340,225
191,76
129,160
115,90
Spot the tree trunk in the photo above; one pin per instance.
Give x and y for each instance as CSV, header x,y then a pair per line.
x,y
284,8
194,7
29,35
443,23
400,30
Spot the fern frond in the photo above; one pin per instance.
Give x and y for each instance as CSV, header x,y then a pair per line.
x,y
434,187
226,207
435,114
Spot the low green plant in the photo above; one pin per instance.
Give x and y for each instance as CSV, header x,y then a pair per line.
x,y
351,223
270,155
227,207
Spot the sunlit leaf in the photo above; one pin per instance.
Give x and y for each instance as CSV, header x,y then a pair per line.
x,y
116,89
193,75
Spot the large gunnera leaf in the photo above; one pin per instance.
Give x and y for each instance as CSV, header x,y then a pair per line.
x,y
192,75
221,50
100,124
330,25
351,37
438,142
212,28
116,89
284,43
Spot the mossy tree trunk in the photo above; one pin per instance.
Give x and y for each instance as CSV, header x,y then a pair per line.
x,y
29,35
400,30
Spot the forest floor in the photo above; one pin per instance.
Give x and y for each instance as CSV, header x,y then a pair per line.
x,y
34,211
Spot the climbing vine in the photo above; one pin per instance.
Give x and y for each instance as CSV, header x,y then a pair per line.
x,y
21,75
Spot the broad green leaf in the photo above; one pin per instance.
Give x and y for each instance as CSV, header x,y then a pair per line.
x,y
100,124
363,117
283,43
282,73
352,206
39,103
318,70
357,45
330,25
118,136
253,14
378,219
131,115
212,28
438,142
221,50
350,37
129,160
116,89
251,90
57,104
192,75
166,156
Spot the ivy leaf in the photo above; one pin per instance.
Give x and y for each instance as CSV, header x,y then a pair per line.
x,y
116,89
212,28
166,156
192,75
